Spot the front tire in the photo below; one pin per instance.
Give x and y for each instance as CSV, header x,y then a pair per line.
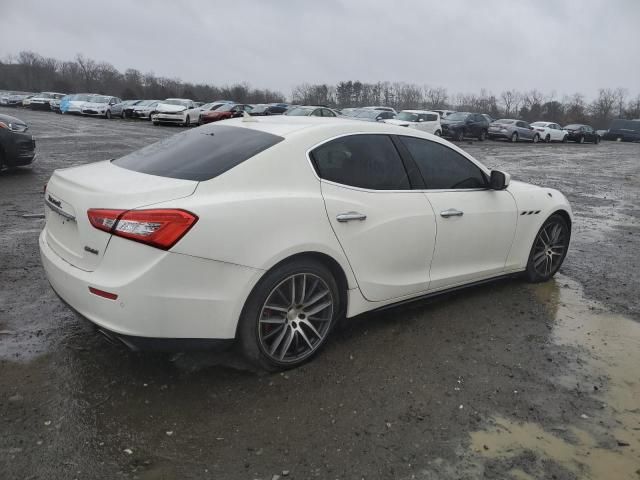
x,y
289,315
514,138
459,136
549,249
596,140
536,138
547,139
107,114
483,136
187,122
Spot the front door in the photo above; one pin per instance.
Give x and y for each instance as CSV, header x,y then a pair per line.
x,y
475,225
386,230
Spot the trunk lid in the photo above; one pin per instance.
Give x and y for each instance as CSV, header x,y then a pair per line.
x,y
72,191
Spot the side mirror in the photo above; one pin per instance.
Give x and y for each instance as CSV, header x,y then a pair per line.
x,y
499,180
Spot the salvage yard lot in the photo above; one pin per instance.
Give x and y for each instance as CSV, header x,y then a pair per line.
x,y
505,380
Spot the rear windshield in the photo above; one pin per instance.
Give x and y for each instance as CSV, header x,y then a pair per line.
x,y
200,154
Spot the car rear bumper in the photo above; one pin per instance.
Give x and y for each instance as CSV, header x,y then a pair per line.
x,y
161,295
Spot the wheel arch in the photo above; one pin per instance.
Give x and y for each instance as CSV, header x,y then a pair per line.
x,y
327,260
564,214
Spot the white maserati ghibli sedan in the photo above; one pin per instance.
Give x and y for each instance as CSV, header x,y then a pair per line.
x,y
267,231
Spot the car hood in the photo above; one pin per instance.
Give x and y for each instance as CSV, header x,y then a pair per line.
x,y
94,104
165,107
9,119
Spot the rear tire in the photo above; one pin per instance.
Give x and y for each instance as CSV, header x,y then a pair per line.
x,y
581,139
549,249
483,136
596,140
187,122
107,114
459,136
565,139
270,338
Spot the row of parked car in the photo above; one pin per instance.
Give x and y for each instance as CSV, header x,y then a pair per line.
x,y
446,123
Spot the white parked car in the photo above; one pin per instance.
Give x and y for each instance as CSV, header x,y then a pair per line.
x,y
269,230
176,110
100,106
42,101
423,120
76,103
550,132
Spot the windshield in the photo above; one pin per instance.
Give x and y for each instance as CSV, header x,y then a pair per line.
x,y
82,98
100,99
225,107
176,101
458,116
407,117
367,114
301,112
260,108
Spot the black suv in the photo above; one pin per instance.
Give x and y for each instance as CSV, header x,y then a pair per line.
x,y
464,124
624,131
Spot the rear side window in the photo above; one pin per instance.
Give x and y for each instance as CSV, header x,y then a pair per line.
x,y
365,161
443,168
200,154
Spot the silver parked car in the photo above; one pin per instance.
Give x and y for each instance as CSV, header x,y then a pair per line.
x,y
513,130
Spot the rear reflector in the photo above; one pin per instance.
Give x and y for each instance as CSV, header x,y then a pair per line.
x,y
160,228
102,293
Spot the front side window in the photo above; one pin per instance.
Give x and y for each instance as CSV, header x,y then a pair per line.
x,y
443,168
365,161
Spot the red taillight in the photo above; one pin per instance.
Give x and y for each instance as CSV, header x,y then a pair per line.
x,y
161,228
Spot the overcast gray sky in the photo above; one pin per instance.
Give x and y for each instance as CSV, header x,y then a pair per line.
x,y
551,45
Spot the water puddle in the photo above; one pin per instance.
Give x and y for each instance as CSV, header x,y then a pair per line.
x,y
603,444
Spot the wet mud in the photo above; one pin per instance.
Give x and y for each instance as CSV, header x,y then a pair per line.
x,y
508,380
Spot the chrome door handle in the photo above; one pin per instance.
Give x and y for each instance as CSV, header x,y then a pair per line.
x,y
451,212
347,217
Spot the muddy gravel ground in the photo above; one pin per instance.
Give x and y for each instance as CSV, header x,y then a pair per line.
x,y
507,380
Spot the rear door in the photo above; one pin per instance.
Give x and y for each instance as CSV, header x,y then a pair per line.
x,y
386,230
475,225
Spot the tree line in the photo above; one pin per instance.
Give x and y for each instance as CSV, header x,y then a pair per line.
x,y
29,71
528,105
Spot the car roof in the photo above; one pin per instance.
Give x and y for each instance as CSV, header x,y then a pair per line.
x,y
419,111
287,125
